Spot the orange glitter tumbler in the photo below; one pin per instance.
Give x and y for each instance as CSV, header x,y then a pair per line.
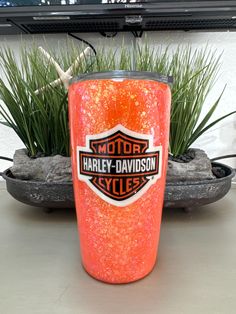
x,y
119,124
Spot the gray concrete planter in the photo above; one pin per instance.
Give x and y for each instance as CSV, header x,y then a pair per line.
x,y
193,194
177,195
40,194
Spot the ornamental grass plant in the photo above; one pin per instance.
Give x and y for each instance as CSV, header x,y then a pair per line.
x,y
195,72
41,120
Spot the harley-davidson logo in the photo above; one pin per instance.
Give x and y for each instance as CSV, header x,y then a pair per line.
x,y
119,165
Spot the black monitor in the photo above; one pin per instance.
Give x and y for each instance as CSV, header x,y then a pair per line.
x,y
51,16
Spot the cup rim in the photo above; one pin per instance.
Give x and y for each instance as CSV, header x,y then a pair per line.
x,y
121,74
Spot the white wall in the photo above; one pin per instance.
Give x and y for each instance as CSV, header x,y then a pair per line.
x,y
220,140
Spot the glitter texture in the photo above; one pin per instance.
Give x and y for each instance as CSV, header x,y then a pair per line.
x,y
119,244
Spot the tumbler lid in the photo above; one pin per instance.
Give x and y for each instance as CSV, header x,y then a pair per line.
x,y
120,74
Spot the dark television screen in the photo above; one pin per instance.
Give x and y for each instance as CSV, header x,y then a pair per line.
x,y
20,3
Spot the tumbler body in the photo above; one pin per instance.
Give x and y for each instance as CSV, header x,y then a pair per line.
x,y
119,126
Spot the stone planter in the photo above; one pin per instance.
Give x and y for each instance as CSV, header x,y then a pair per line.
x,y
197,193
177,194
39,193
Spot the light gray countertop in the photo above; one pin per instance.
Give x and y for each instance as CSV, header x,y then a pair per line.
x,y
41,272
